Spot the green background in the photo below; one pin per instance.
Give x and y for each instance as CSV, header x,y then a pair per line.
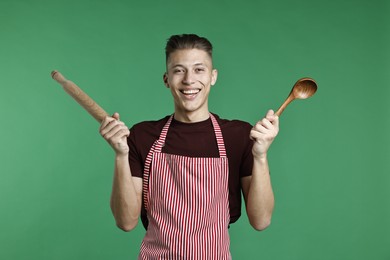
x,y
330,162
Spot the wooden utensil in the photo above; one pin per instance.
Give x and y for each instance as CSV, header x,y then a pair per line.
x,y
302,89
80,96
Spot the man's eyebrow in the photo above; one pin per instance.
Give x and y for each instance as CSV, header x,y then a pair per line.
x,y
196,64
179,65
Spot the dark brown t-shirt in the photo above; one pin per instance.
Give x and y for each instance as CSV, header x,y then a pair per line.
x,y
197,140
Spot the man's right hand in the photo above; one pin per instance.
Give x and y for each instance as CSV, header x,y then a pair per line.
x,y
115,132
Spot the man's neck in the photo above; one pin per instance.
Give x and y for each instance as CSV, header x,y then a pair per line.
x,y
191,117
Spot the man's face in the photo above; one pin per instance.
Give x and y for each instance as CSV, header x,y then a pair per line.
x,y
189,76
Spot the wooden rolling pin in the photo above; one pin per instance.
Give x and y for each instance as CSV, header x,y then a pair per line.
x,y
80,96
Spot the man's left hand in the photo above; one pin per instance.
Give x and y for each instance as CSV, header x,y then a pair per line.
x,y
263,133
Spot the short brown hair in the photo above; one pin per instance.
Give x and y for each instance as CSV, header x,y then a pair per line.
x,y
187,41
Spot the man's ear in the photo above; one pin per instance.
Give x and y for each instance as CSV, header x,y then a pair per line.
x,y
165,79
214,76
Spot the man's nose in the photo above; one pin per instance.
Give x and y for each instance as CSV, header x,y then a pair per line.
x,y
188,78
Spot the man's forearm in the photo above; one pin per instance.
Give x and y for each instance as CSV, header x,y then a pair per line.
x,y
126,195
260,201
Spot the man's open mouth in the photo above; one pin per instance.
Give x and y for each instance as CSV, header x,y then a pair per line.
x,y
190,91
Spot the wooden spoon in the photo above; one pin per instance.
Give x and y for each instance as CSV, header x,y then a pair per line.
x,y
303,88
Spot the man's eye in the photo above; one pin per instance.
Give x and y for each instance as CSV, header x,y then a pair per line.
x,y
199,69
178,71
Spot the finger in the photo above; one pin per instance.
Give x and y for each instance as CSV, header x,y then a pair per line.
x,y
269,113
275,121
272,117
256,135
111,132
112,124
253,135
259,127
265,123
262,136
107,120
116,116
118,135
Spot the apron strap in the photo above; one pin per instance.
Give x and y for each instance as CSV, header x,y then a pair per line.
x,y
218,135
159,144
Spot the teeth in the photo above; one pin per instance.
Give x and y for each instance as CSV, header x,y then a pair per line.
x,y
190,91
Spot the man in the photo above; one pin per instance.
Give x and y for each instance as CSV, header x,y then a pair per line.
x,y
183,174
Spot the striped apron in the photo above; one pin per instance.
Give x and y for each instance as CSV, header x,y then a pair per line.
x,y
187,204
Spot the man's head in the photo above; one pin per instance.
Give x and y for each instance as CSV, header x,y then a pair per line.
x,y
187,41
189,75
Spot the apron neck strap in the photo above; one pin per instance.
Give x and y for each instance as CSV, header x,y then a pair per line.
x,y
217,130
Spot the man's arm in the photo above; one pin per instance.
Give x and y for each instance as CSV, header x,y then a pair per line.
x,y
257,189
126,196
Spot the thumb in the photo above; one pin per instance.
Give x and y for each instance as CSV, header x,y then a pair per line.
x,y
116,116
273,118
269,113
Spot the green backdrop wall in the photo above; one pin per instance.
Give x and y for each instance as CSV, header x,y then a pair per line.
x,y
330,162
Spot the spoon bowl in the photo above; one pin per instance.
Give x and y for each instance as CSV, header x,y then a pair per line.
x,y
302,89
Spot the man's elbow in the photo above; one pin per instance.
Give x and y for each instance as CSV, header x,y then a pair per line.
x,y
124,222
261,225
127,227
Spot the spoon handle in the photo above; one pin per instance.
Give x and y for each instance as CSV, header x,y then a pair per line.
x,y
284,105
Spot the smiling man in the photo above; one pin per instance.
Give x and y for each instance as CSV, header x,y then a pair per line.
x,y
184,174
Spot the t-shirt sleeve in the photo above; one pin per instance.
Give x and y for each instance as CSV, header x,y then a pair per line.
x,y
247,156
135,158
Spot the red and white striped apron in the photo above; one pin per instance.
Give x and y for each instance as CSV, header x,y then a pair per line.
x,y
187,203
